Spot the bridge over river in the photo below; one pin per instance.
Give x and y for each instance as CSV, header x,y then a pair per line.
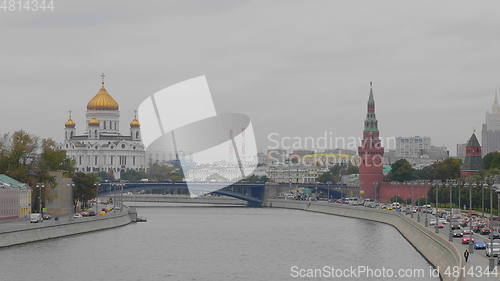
x,y
254,193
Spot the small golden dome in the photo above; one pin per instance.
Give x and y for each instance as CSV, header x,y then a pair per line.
x,y
135,123
102,101
69,124
93,122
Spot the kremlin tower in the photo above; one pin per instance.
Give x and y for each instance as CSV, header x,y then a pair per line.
x,y
473,161
371,154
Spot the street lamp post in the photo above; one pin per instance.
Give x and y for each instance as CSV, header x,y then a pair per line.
x,y
459,196
418,210
426,211
40,186
97,198
412,203
121,199
490,185
498,203
482,185
471,244
450,234
436,190
491,258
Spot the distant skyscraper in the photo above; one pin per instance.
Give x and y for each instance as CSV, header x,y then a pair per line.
x,y
371,153
473,161
491,129
412,147
461,151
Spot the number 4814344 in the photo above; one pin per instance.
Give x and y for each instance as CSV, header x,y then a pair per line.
x,y
26,5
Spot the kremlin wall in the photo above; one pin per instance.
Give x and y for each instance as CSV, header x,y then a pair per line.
x,y
371,154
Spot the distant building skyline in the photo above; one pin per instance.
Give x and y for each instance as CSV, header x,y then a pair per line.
x,y
490,135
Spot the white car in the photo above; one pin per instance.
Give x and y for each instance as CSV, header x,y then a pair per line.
x,y
495,249
36,218
442,221
77,215
432,222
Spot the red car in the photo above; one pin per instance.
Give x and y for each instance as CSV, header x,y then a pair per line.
x,y
440,225
485,231
466,239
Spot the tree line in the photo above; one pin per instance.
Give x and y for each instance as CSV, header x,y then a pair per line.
x,y
30,159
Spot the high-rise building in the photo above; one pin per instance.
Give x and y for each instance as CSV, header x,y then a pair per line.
x,y
490,135
412,147
473,161
419,150
371,153
461,151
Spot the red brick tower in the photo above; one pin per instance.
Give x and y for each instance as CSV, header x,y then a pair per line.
x,y
473,161
371,154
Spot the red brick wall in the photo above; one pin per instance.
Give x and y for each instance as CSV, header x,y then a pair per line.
x,y
406,191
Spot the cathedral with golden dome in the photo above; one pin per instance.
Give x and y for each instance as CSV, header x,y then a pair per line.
x,y
101,147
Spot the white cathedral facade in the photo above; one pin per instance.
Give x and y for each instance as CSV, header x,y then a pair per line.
x,y
101,147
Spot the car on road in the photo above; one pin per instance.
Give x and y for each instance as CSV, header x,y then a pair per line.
x,y
492,250
84,213
36,218
495,234
485,231
455,225
46,217
467,239
442,221
432,222
457,233
77,216
466,231
479,245
91,213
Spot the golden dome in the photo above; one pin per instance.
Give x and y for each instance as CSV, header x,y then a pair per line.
x,y
102,101
93,122
69,124
135,123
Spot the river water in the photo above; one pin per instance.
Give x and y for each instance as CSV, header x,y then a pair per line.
x,y
214,243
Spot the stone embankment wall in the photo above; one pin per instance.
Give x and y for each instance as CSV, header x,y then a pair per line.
x,y
26,233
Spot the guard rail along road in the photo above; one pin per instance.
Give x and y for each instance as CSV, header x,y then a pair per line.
x,y
27,233
437,250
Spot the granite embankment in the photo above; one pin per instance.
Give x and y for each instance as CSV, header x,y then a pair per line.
x,y
25,233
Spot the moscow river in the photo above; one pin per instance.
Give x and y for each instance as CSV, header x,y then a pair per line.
x,y
223,244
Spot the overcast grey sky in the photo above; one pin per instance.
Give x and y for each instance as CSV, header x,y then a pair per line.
x,y
297,68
